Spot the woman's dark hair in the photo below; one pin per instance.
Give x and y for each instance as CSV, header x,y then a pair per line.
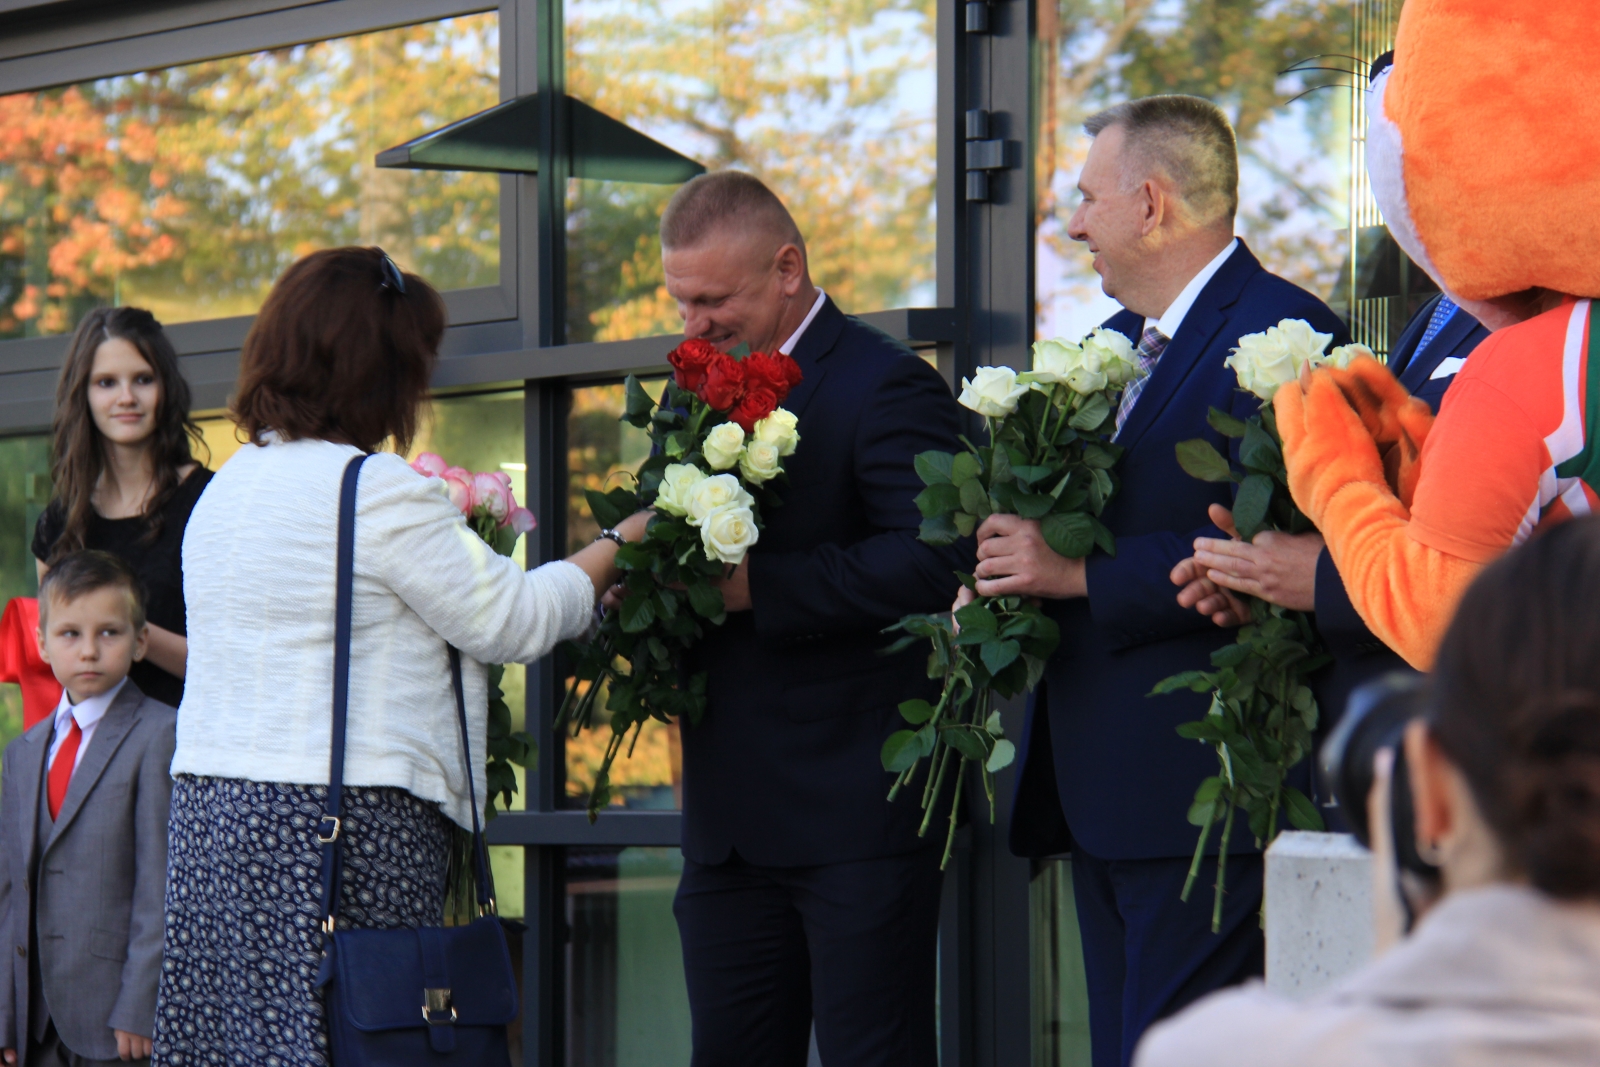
x,y
78,452
1516,705
342,350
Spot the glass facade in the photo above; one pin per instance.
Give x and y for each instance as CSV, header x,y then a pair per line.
x,y
1060,1008
626,1001
189,190
832,105
1303,206
24,492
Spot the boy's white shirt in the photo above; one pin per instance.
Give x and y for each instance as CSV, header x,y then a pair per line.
x,y
88,714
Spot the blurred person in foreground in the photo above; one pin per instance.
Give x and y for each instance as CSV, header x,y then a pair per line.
x,y
1505,778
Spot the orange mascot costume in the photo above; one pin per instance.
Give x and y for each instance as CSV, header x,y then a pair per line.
x,y
1484,153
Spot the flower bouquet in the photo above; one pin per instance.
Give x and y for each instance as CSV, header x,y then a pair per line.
x,y
492,512
1049,458
719,440
1263,713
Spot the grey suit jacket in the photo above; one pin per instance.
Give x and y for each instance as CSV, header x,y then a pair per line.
x,y
97,883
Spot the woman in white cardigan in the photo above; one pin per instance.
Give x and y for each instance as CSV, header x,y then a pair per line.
x,y
1505,773
337,363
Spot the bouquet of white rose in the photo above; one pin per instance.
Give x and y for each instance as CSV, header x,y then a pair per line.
x,y
1049,458
1262,713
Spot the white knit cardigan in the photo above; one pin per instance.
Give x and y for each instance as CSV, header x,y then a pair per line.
x,y
258,581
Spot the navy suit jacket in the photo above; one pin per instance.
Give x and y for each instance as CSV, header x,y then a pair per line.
x,y
1358,654
1101,763
784,766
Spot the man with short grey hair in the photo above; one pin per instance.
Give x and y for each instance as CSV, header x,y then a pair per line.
x,y
1103,772
806,895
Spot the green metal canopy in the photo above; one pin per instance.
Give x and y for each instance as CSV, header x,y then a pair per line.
x,y
505,138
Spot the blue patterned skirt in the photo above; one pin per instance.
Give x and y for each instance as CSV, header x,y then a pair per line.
x,y
242,947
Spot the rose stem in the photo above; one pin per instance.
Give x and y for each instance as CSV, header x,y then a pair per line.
x,y
955,805
1199,853
927,815
929,787
1222,867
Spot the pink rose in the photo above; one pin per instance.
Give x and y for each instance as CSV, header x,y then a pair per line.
x,y
460,489
521,521
430,465
491,491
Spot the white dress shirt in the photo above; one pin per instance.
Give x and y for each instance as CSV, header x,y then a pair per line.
x,y
258,579
787,348
88,715
1171,320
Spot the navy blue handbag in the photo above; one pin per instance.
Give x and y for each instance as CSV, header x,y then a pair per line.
x,y
435,995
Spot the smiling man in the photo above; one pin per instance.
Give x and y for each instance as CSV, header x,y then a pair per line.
x,y
1103,771
806,895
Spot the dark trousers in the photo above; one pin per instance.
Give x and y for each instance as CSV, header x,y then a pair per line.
x,y
853,946
1146,954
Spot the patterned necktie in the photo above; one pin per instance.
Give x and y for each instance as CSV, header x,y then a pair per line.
x,y
1151,344
1436,322
61,769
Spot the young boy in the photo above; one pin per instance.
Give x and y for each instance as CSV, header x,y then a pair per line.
x,y
83,834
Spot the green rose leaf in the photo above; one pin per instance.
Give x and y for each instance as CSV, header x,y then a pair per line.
x,y
604,511
1226,424
974,499
637,613
1200,459
963,468
940,530
1091,414
1258,450
1004,754
706,599
1034,505
638,403
1199,681
938,499
1250,506
976,619
1205,812
1303,814
934,468
966,741
900,751
1030,475
997,655
916,712
1070,535
965,523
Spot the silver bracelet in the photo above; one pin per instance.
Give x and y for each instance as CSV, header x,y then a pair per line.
x,y
611,535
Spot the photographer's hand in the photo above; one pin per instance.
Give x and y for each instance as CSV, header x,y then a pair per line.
x,y
1388,911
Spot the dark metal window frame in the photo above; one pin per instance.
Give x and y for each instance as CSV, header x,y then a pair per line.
x,y
507,334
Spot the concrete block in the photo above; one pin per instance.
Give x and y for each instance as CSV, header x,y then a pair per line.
x,y
1319,911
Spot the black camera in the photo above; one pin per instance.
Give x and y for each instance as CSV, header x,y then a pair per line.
x,y
1375,718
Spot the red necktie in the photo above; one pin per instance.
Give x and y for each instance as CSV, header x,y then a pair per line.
x,y
61,769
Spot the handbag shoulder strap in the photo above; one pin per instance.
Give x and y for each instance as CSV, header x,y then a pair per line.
x,y
331,825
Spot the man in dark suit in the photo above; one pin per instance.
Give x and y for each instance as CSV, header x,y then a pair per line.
x,y
1103,771
1295,570
805,893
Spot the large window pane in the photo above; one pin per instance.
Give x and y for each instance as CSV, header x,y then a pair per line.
x,y
24,492
601,451
1060,996
189,190
830,104
1304,209
626,1004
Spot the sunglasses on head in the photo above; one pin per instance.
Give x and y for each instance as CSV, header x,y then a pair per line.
x,y
392,278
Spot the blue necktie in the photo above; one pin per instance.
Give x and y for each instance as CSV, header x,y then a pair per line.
x,y
1436,322
1151,344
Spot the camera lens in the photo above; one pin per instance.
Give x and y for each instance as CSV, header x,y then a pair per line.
x,y
1374,719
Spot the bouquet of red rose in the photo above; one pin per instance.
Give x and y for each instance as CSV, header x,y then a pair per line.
x,y
719,439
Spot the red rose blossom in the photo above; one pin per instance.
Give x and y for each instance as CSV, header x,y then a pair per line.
x,y
778,372
757,403
690,360
724,382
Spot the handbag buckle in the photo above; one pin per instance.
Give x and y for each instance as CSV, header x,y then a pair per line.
x,y
436,1002
327,834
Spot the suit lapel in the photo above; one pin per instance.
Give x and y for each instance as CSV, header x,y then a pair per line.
x,y
1183,353
30,778
1402,357
119,719
813,348
1419,370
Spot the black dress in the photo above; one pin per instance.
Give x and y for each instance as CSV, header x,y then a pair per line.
x,y
158,563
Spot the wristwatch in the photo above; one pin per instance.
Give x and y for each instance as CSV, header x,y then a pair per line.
x,y
611,535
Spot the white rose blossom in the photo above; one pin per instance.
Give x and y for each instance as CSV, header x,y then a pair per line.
x,y
676,482
1053,361
728,532
760,461
1345,355
992,391
779,429
713,492
1265,362
723,445
1118,360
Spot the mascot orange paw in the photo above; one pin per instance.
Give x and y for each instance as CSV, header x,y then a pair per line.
x,y
1397,421
1326,443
